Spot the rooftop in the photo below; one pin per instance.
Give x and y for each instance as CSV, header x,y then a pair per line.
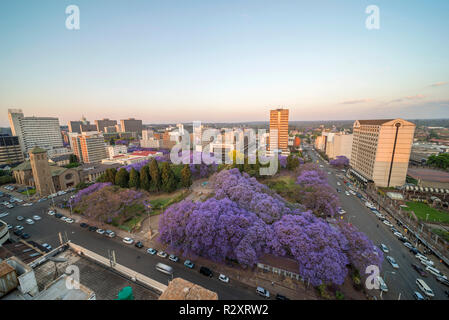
x,y
428,174
180,289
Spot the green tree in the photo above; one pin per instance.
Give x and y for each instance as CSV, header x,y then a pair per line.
x,y
155,174
110,175
134,179
186,176
112,142
122,178
145,178
292,162
167,178
73,158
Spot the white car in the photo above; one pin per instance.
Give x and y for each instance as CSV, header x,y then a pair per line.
x,y
27,204
435,272
100,231
51,213
64,218
382,285
29,221
347,193
338,183
388,223
46,246
392,262
223,278
128,240
37,218
398,234
69,220
4,214
424,260
19,227
369,205
384,248
408,245
162,254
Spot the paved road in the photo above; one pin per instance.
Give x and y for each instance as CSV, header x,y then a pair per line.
x,y
47,229
403,281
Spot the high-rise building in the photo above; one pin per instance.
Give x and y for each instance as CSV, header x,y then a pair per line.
x,y
339,144
43,132
131,125
41,172
89,147
75,126
10,151
381,151
279,130
104,123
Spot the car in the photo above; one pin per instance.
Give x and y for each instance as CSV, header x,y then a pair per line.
x,y
418,296
420,270
63,218
424,260
206,271
18,232
47,246
51,213
387,223
109,233
338,183
408,245
338,190
281,297
223,278
19,218
424,288
443,280
29,221
189,264
347,193
100,231
4,214
151,251
384,248
393,229
9,206
9,227
25,236
162,254
173,258
328,172
18,227
369,204
27,204
139,244
92,228
398,234
69,220
58,215
263,292
128,240
37,218
382,285
415,251
392,262
341,211
437,273
84,225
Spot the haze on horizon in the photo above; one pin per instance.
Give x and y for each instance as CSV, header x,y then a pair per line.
x,y
230,61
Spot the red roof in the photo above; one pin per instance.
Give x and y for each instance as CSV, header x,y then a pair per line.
x,y
143,153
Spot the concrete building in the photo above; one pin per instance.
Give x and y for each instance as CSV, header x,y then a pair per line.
x,y
41,172
381,151
10,151
131,125
75,126
43,132
279,130
339,144
104,123
89,147
116,150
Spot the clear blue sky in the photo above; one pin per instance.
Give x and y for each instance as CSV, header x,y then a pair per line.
x,y
170,61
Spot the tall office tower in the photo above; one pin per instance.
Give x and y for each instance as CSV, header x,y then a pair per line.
x,y
41,172
339,144
381,151
104,123
89,147
131,125
75,126
279,122
33,132
10,151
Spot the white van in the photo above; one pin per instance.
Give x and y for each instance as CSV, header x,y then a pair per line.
x,y
424,259
435,272
382,284
424,288
164,269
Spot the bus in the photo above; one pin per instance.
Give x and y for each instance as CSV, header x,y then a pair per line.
x,y
164,269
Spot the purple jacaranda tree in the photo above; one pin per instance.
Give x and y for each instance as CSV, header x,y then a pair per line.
x,y
339,162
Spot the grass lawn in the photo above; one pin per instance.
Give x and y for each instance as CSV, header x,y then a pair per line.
x,y
421,210
442,234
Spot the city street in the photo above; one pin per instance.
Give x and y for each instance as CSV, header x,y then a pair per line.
x,y
46,231
402,281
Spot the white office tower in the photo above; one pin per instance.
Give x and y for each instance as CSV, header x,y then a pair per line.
x,y
43,132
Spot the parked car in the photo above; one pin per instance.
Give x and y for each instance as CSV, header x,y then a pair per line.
x,y
19,218
189,264
415,251
443,280
382,285
281,297
206,271
4,214
18,232
51,213
18,227
424,260
424,288
173,258
25,236
347,193
100,231
109,233
139,244
387,223
263,292
392,262
69,220
384,248
47,246
128,240
29,221
437,273
84,225
92,228
162,254
398,234
58,215
408,245
37,218
151,251
223,278
420,270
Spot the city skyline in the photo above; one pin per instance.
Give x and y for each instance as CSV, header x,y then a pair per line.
x,y
233,62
